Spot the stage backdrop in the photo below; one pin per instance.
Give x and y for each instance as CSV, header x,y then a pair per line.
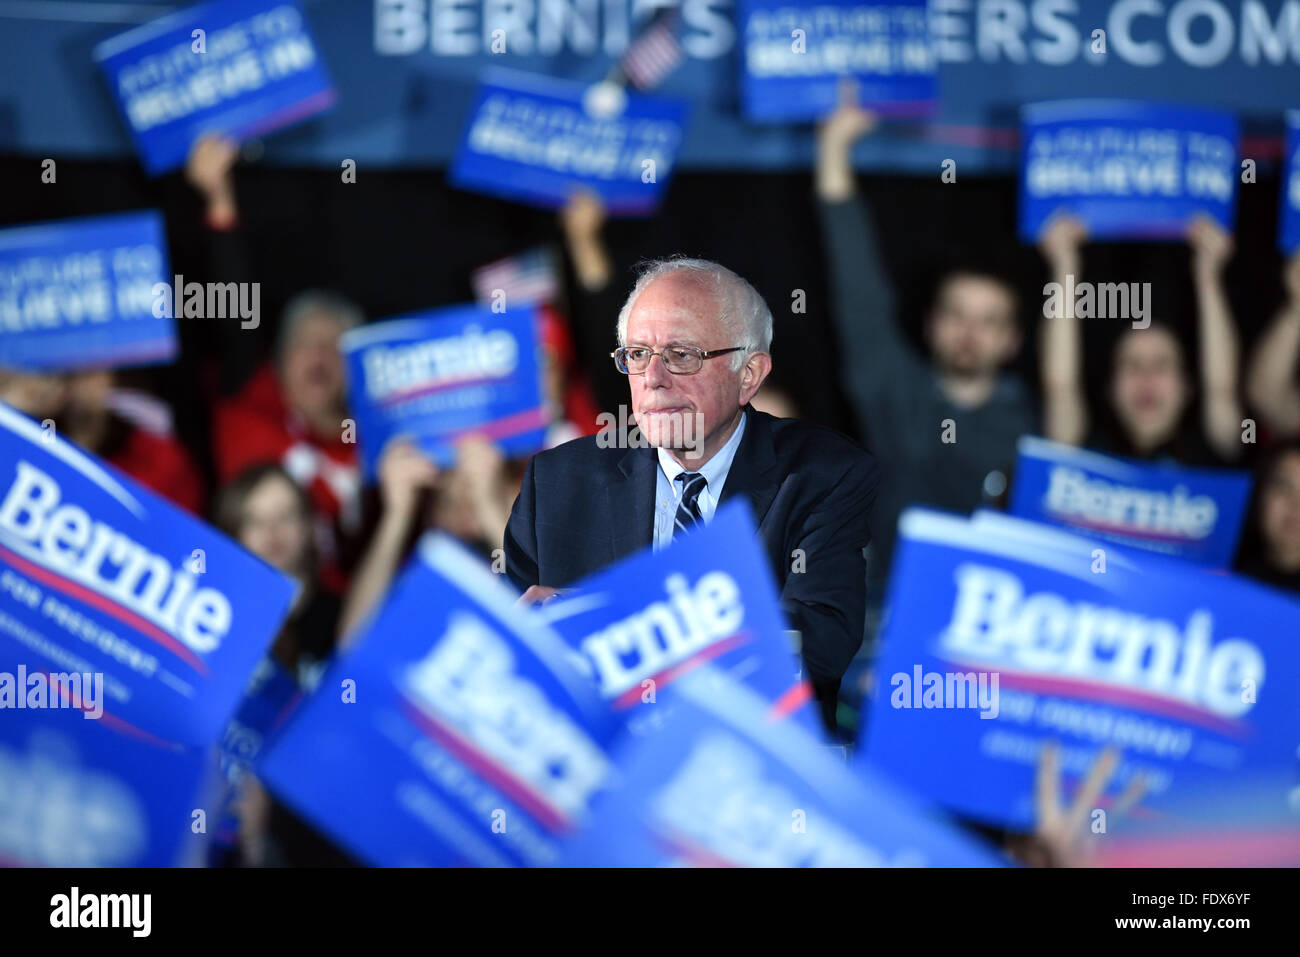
x,y
406,72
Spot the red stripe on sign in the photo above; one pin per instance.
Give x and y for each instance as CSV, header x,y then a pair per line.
x,y
670,674
487,767
106,605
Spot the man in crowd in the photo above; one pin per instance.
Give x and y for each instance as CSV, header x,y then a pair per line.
x,y
694,343
944,426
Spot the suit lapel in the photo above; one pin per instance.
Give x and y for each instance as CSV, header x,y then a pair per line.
x,y
630,502
753,471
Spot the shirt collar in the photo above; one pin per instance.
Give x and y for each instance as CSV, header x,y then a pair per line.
x,y
715,469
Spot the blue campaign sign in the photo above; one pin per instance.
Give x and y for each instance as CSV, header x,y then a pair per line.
x,y
1127,168
1288,233
269,699
99,572
640,625
240,68
721,785
1195,514
538,139
796,53
78,793
481,743
1004,634
81,293
440,375
128,630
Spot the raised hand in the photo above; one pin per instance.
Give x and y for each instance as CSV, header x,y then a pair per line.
x,y
1211,246
404,472
1061,831
849,121
583,215
1060,242
208,171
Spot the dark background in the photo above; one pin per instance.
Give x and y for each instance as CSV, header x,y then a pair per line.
x,y
398,241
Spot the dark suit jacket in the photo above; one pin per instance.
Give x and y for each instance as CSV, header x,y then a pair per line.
x,y
583,507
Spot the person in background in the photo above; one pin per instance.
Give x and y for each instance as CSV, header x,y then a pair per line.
x,y
38,395
592,296
268,513
906,403
1270,549
292,409
1273,379
81,406
1150,408
470,501
776,400
572,405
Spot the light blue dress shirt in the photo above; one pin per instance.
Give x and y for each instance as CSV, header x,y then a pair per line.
x,y
668,491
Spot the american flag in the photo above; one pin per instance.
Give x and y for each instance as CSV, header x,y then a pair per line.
x,y
527,277
654,54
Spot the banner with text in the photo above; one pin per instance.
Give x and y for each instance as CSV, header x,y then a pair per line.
x,y
722,785
797,52
128,631
1002,635
440,375
482,744
1288,231
1195,514
240,68
538,140
79,293
1128,169
640,625
407,74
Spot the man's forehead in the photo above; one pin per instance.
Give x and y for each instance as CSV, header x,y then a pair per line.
x,y
675,308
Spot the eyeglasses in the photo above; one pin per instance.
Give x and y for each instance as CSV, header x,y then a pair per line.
x,y
679,360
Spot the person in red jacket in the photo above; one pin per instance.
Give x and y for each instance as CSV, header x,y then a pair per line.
x,y
292,412
80,404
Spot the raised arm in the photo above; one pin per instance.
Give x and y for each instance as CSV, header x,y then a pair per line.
x,y
404,473
1220,351
209,170
864,308
594,298
1273,380
1065,402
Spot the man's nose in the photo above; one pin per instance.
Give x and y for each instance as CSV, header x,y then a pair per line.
x,y
657,375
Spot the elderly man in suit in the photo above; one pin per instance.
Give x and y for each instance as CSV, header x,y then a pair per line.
x,y
694,341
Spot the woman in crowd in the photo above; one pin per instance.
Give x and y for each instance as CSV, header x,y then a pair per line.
x,y
1151,412
271,515
1270,549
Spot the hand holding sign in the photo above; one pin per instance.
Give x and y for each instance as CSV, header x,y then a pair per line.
x,y
208,171
404,472
1211,245
1060,241
849,121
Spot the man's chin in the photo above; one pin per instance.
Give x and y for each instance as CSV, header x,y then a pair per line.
x,y
672,431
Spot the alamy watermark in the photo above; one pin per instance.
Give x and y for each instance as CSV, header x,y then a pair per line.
x,y
932,689
211,300
1104,300
42,690
675,431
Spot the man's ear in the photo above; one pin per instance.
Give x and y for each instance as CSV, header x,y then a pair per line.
x,y
757,367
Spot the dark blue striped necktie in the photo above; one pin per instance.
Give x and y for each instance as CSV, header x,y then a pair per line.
x,y
688,509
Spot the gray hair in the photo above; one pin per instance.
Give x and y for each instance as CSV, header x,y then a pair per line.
x,y
743,312
314,302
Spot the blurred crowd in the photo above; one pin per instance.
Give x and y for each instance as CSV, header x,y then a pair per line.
x,y
286,483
